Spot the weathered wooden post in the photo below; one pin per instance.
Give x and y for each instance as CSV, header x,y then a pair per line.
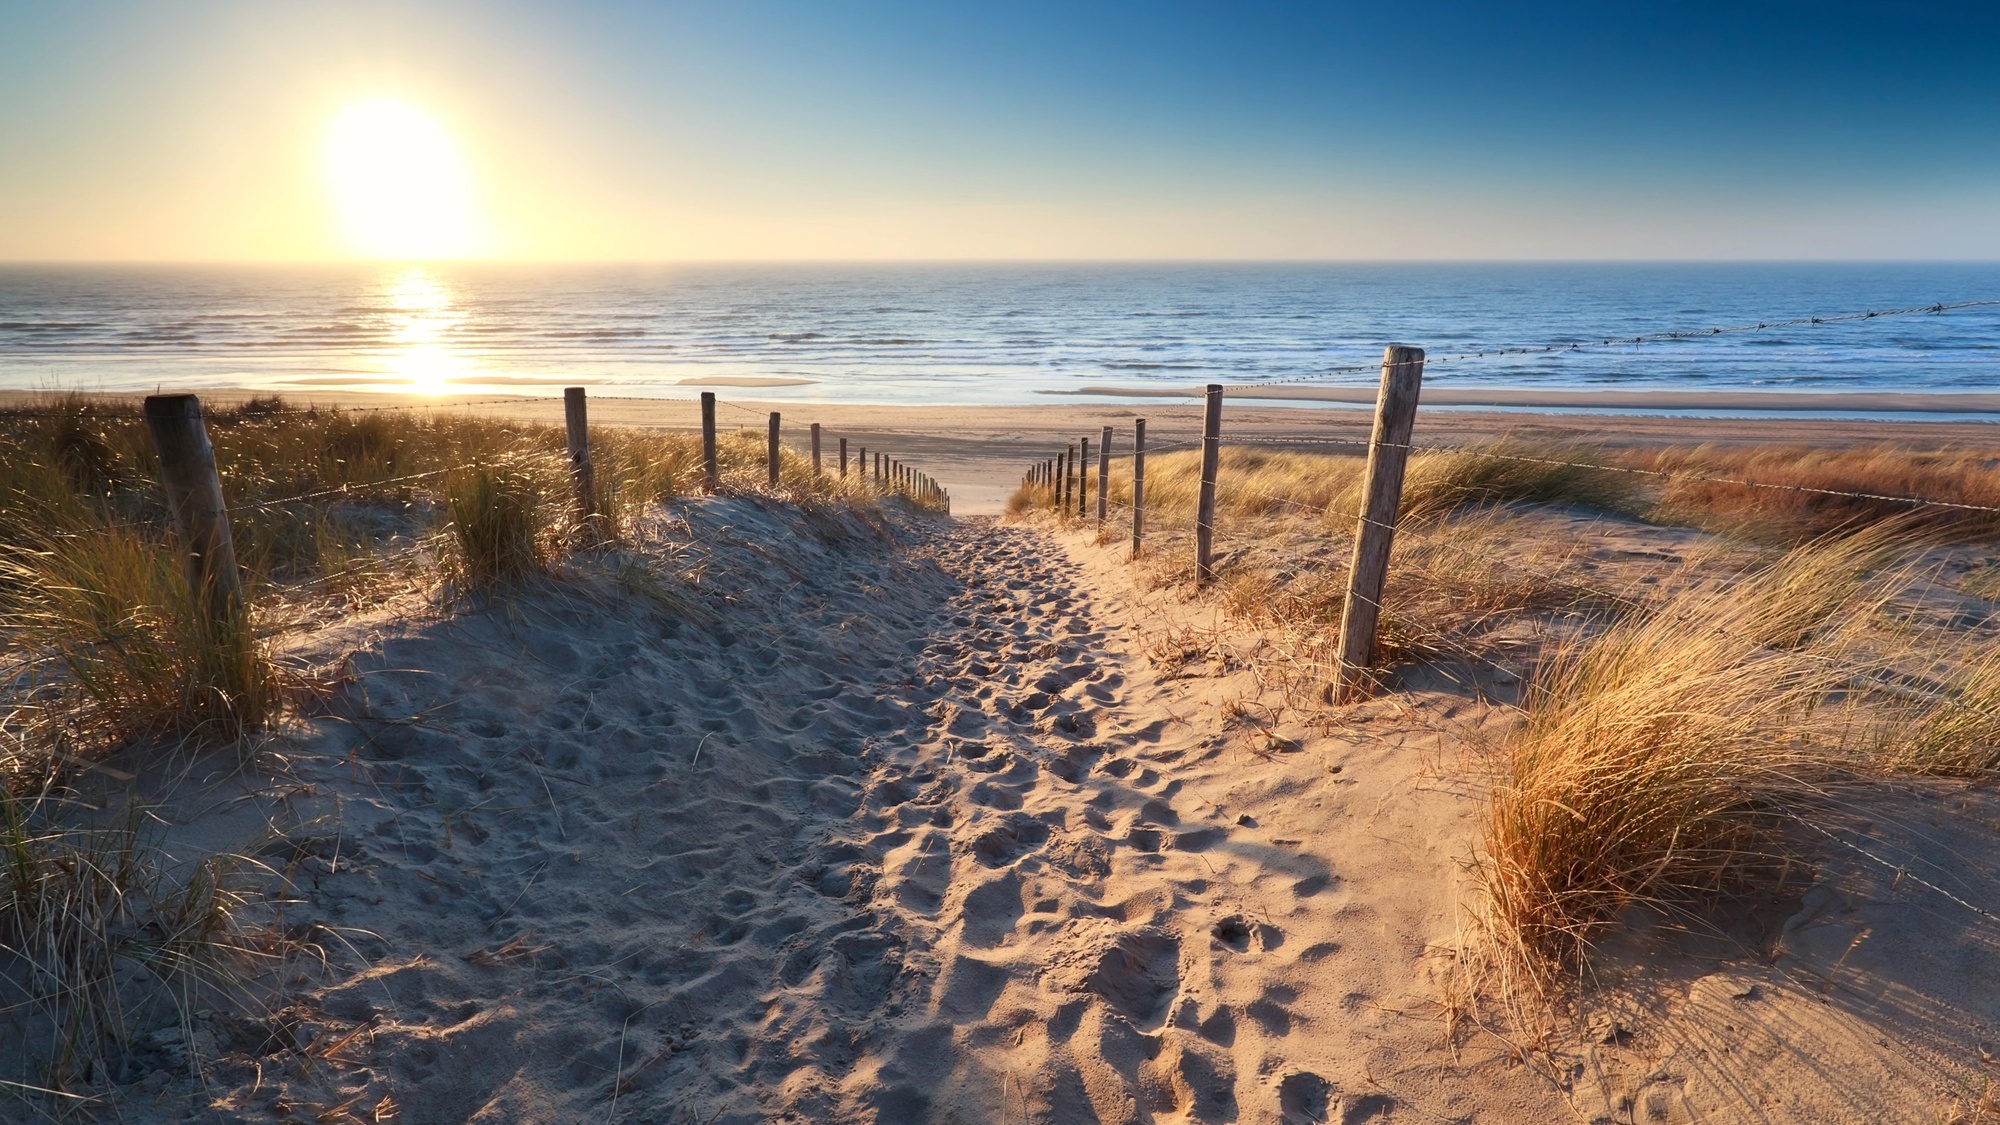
x,y
843,458
1138,484
1204,514
1104,477
815,445
1083,481
771,449
582,474
194,498
1388,453
1062,481
711,473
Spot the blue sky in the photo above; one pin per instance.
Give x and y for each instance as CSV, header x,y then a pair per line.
x,y
886,130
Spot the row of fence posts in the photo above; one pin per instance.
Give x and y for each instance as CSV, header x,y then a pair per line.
x,y
890,474
1066,475
201,518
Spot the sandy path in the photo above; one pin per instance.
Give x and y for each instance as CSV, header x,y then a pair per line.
x,y
1108,909
914,829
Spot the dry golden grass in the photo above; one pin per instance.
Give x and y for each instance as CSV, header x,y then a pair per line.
x,y
103,649
95,626
1254,481
1805,505
1660,761
104,933
1669,742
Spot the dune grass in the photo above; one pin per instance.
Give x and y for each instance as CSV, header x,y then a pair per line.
x,y
1821,491
103,649
1256,481
106,936
97,631
104,630
1672,734
1659,761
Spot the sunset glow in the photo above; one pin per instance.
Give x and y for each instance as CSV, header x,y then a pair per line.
x,y
398,186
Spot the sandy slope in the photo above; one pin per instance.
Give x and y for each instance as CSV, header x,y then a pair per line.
x,y
911,830
934,821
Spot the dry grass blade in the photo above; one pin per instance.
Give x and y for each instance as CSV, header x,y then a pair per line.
x,y
1658,763
118,649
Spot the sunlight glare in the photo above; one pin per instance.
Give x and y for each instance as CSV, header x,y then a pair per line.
x,y
398,185
421,310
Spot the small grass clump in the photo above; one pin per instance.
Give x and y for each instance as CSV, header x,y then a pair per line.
x,y
501,532
1506,472
106,938
1957,734
105,625
1660,761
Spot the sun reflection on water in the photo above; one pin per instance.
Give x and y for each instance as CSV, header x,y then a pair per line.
x,y
421,320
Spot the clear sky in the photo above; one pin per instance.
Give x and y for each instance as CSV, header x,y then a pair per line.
x,y
220,130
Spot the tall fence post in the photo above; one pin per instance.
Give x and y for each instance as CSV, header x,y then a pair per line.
x,y
843,458
711,473
1204,514
771,449
1062,481
1083,481
815,445
1138,484
1104,477
1388,453
194,497
582,474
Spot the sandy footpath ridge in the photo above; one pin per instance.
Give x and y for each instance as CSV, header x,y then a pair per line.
x,y
911,827
914,820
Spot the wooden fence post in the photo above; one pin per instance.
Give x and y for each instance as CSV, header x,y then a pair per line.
x,y
582,474
1083,481
815,445
1388,452
1062,482
194,497
711,473
1211,461
1104,477
771,449
1138,484
843,458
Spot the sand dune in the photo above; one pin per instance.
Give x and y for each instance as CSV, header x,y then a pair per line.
x,y
905,820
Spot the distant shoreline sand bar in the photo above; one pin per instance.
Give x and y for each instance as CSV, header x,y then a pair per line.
x,y
1956,402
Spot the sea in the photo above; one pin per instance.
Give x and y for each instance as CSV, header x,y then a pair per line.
x,y
986,334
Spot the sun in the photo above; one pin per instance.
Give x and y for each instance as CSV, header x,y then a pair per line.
x,y
398,185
